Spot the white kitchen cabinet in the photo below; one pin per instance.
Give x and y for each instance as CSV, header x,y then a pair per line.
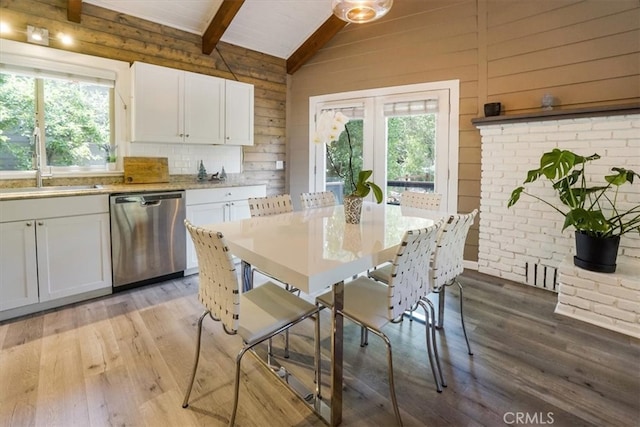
x,y
239,112
174,106
52,249
215,205
18,269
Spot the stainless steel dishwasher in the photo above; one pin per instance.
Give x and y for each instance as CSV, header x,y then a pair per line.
x,y
148,237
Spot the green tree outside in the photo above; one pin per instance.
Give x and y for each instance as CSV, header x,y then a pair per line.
x,y
410,151
76,121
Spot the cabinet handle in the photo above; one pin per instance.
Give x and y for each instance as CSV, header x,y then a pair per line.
x,y
187,135
229,194
40,222
181,135
29,224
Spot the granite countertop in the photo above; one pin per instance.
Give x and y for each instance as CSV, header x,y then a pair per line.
x,y
86,190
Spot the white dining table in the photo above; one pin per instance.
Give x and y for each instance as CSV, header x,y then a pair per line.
x,y
315,250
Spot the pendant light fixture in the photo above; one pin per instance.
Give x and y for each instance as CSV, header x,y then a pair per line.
x,y
360,11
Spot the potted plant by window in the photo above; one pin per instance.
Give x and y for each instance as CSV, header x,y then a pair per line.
x,y
110,156
592,210
329,127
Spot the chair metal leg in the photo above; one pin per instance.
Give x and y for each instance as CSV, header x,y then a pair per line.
x,y
392,387
441,297
185,402
364,336
464,329
317,360
236,390
428,324
443,383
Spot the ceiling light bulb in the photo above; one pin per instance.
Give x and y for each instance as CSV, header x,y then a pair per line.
x,y
360,11
65,39
4,27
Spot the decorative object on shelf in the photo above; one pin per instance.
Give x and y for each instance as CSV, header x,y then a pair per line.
x,y
594,211
329,127
202,172
547,102
360,11
223,175
492,109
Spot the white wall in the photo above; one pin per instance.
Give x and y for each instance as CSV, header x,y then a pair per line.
x,y
514,241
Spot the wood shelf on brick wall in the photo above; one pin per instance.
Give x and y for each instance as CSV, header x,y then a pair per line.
x,y
608,110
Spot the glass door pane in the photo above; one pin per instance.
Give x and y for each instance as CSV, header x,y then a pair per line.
x,y
411,155
348,148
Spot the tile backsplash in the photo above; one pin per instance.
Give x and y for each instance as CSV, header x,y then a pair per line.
x,y
185,159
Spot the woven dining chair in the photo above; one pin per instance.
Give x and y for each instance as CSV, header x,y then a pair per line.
x,y
446,265
318,199
270,205
267,206
413,199
373,305
256,315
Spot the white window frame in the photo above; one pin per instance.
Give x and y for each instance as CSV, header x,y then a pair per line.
x,y
377,97
61,61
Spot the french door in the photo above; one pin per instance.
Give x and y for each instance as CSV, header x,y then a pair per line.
x,y
409,140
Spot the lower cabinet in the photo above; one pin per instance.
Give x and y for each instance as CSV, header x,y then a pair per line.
x,y
215,205
52,258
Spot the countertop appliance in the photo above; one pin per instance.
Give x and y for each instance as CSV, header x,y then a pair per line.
x,y
148,237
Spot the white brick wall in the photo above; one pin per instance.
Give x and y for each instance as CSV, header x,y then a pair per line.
x,y
611,301
530,233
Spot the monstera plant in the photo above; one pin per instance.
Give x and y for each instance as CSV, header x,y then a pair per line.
x,y
592,210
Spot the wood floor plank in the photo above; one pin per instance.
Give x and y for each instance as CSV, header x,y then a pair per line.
x,y
61,393
19,377
127,358
108,399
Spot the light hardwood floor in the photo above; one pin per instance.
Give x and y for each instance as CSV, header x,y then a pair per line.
x,y
125,359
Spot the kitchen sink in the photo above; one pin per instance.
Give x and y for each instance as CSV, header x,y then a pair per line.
x,y
52,189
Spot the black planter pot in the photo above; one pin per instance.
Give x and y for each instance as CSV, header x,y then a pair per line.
x,y
596,253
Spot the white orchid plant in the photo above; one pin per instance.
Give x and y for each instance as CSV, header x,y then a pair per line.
x,y
329,126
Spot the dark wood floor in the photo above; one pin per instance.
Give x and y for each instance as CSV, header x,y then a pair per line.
x,y
125,359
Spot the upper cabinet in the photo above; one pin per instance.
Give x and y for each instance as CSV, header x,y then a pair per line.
x,y
238,113
174,106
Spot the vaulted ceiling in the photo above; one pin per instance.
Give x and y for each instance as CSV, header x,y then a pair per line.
x,y
290,29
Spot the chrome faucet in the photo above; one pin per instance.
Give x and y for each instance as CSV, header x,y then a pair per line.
x,y
37,155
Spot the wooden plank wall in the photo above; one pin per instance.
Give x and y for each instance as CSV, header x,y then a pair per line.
x,y
114,35
585,53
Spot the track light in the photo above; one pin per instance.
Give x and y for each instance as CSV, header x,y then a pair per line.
x,y
37,35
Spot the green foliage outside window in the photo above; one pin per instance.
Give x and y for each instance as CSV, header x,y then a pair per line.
x,y
76,122
410,152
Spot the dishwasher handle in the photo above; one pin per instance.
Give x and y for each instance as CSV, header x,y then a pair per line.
x,y
146,200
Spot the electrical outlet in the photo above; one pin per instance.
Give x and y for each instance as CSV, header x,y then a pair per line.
x,y
279,164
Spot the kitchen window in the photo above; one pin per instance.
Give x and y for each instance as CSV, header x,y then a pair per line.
x,y
73,107
69,117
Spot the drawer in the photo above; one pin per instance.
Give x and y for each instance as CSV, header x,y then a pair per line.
x,y
53,207
223,194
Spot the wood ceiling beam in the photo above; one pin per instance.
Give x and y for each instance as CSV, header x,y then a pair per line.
x,y
219,24
327,30
74,10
